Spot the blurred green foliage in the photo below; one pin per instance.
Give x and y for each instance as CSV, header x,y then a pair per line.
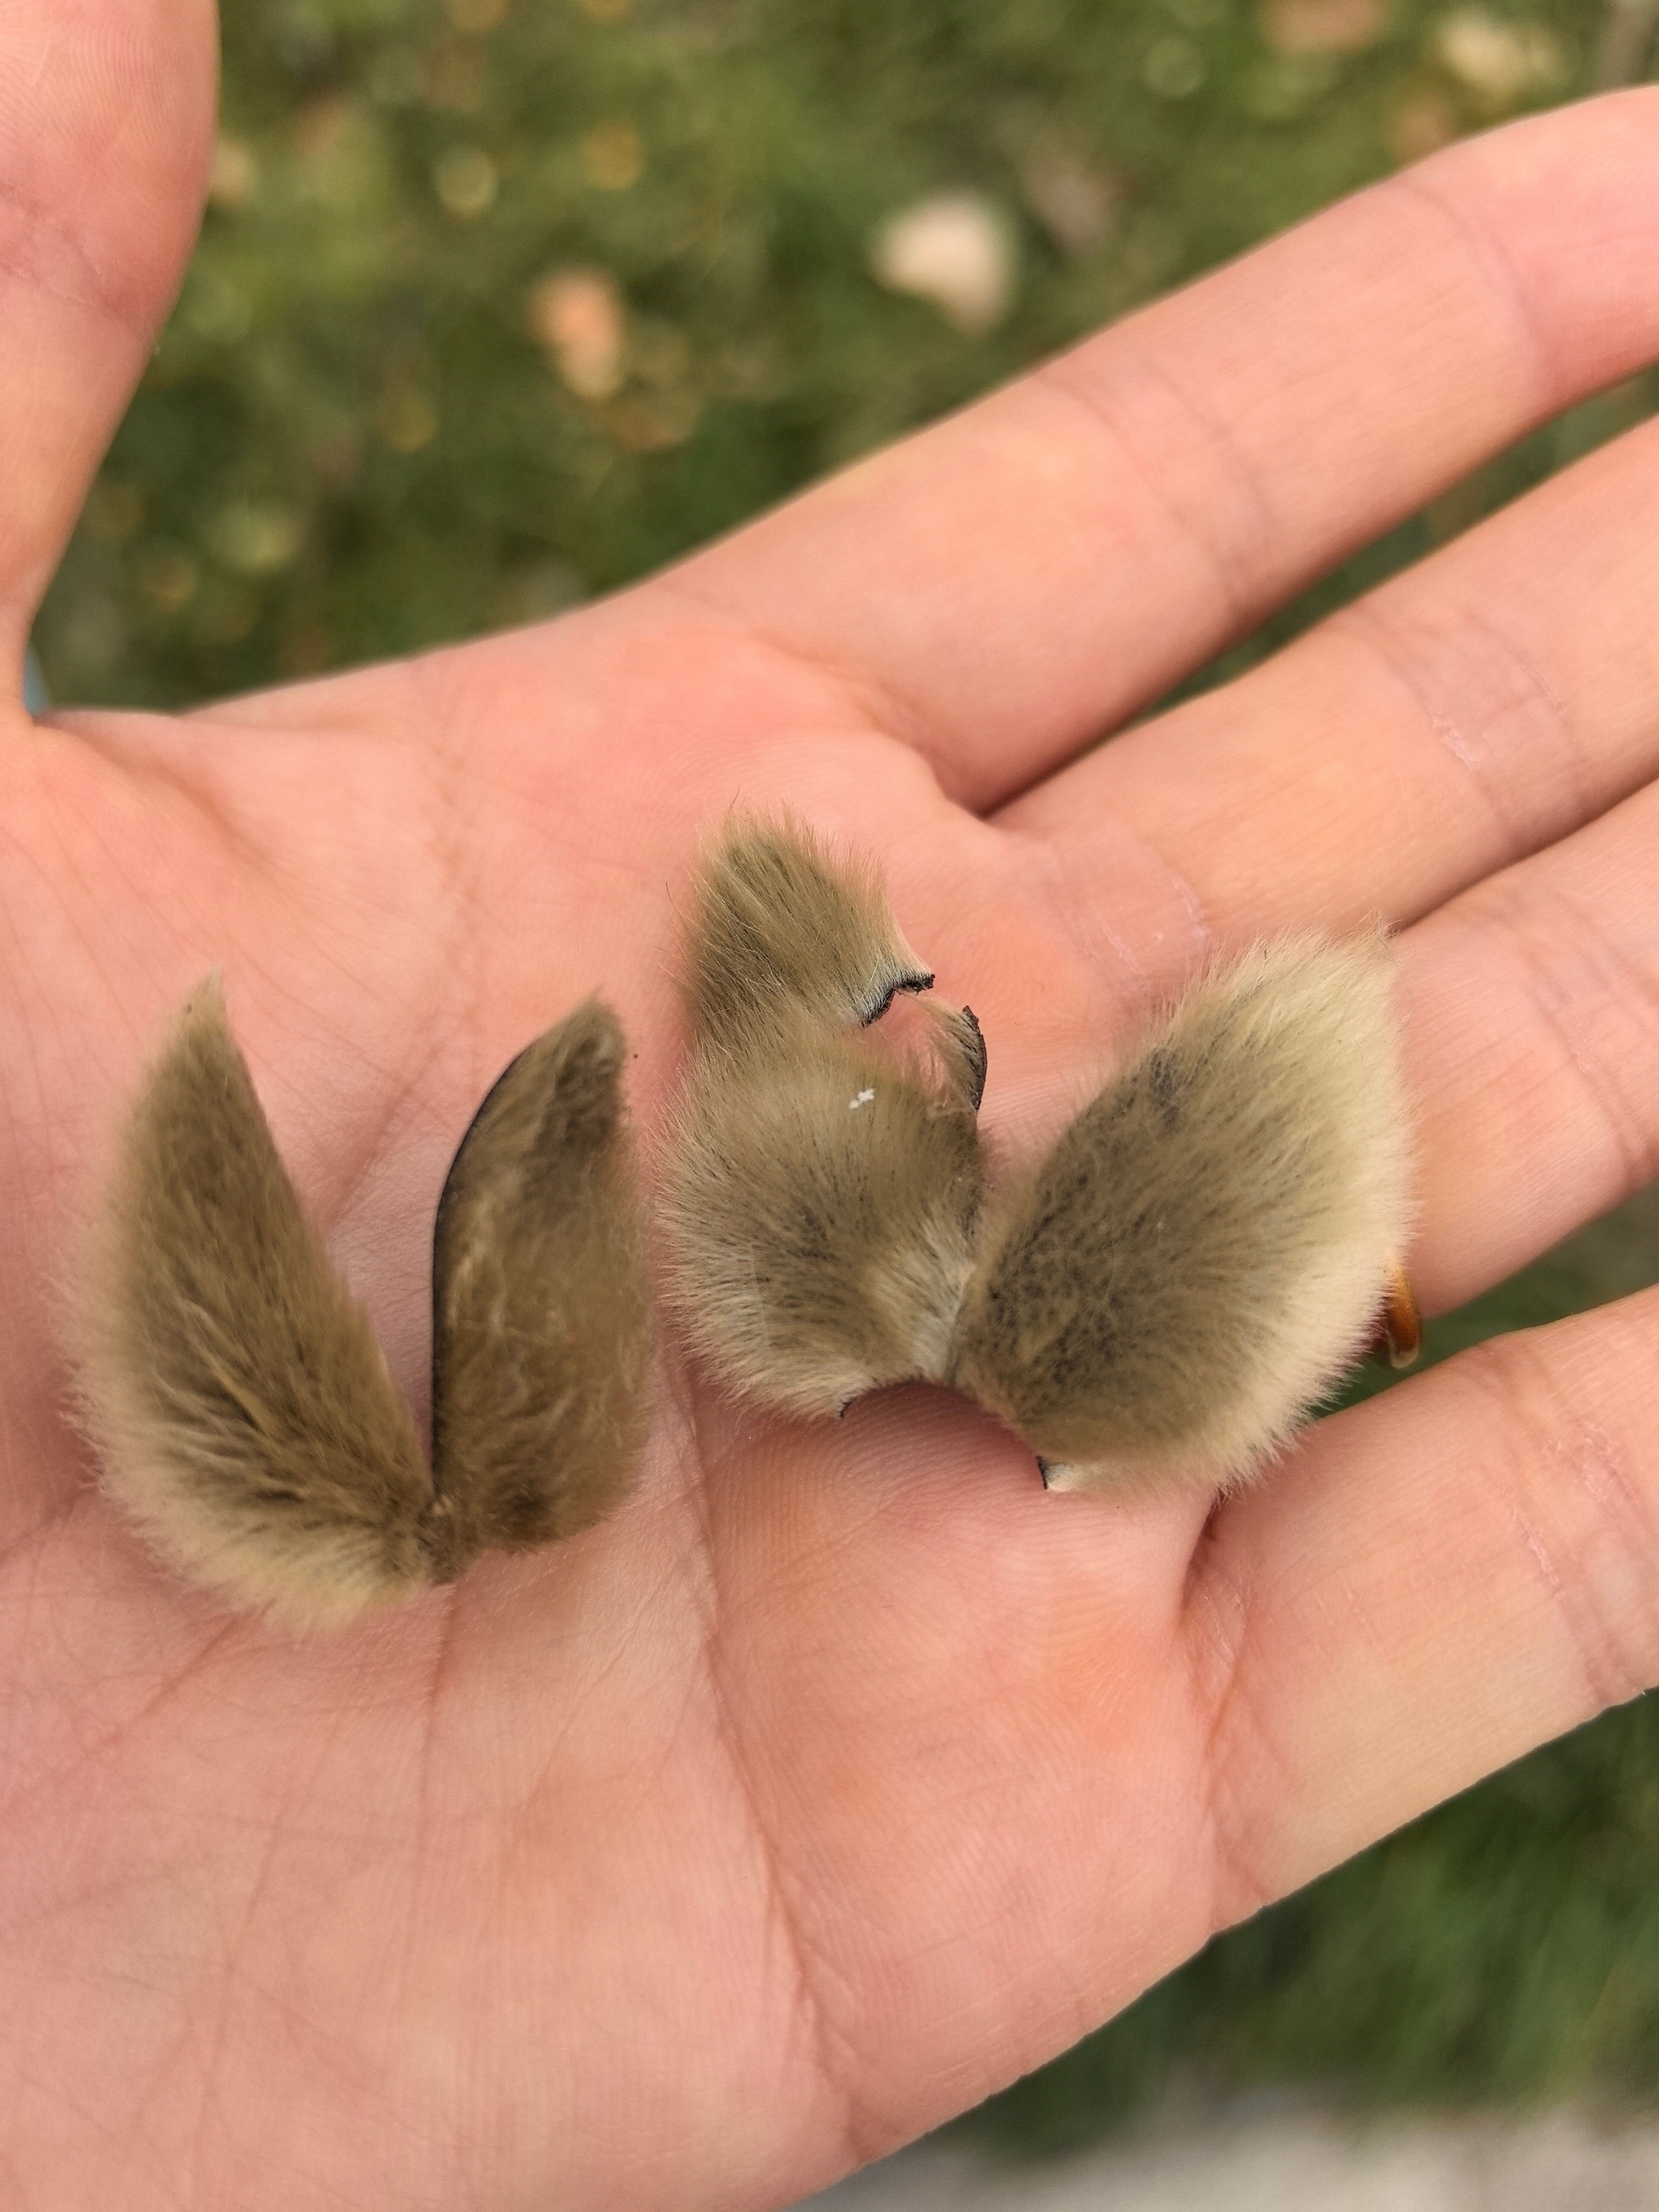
x,y
503,303
355,439
1504,1949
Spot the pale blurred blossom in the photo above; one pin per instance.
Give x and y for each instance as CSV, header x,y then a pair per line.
x,y
1074,202
235,176
1322,27
578,317
955,249
1499,61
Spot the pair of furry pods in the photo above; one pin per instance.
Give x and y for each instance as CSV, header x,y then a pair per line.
x,y
1162,1296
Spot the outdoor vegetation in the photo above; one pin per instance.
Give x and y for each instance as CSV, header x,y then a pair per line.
x,y
501,303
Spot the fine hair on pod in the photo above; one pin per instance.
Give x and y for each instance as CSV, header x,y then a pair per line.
x,y
239,1403
825,1183
1208,1245
1161,1298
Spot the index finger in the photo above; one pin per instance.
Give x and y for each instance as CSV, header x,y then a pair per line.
x,y
1013,583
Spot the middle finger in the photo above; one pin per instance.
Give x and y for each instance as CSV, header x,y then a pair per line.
x,y
1492,700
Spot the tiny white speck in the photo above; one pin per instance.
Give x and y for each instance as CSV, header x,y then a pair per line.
x,y
863,1099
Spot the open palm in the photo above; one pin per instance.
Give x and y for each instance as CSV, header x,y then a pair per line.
x,y
844,1775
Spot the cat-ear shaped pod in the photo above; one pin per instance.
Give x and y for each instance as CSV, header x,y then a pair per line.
x,y
1163,1297
541,1312
1208,1245
825,1185
776,921
780,932
234,1389
822,1207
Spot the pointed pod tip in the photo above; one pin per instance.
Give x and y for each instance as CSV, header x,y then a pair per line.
x,y
914,981
205,1004
1058,1474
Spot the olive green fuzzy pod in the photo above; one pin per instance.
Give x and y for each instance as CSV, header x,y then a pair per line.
x,y
1160,1298
825,1187
1208,1245
239,1401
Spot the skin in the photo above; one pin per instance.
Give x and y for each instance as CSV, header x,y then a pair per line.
x,y
843,1775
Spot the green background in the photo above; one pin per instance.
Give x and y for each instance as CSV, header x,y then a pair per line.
x,y
354,441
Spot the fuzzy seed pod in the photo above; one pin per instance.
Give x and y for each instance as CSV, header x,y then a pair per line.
x,y
825,1187
1208,1245
776,921
822,1211
234,1389
541,1315
1161,1298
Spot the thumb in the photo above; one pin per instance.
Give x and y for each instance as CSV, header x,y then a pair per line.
x,y
106,111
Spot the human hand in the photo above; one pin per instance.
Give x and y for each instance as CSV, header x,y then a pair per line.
x,y
843,1775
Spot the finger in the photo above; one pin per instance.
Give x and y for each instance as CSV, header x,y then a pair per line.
x,y
105,125
1488,702
1530,1005
1025,575
1438,1581
1532,1009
